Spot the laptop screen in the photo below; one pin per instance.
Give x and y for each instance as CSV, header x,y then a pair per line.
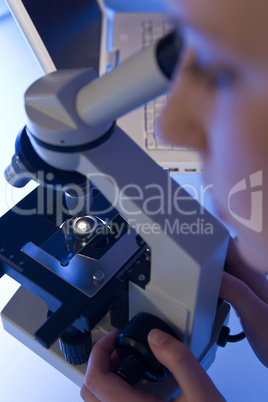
x,y
69,29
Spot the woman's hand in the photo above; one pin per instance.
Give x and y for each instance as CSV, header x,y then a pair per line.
x,y
247,290
103,385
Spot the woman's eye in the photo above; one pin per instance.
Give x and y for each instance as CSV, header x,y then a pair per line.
x,y
214,77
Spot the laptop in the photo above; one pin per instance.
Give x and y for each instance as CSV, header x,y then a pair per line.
x,y
86,33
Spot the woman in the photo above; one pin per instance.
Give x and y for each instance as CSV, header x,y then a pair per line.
x,y
218,105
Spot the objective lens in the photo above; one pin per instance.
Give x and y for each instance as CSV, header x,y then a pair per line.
x,y
84,226
15,175
79,199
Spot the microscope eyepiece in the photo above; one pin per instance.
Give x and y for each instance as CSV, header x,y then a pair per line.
x,y
168,53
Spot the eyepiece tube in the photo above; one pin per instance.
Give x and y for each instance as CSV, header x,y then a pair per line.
x,y
133,83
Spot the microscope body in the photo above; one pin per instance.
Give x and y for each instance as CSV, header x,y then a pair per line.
x,y
173,271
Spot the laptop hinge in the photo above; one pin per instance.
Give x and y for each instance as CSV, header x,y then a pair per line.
x,y
112,59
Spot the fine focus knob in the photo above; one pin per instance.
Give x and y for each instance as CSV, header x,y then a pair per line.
x,y
137,360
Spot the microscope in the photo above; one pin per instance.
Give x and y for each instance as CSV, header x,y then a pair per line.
x,y
108,238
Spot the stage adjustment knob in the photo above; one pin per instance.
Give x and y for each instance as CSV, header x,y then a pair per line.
x,y
75,346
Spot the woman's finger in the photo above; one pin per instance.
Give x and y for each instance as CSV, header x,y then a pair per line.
x,y
256,280
179,360
102,382
252,310
87,395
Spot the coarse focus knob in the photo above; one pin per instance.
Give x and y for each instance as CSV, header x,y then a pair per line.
x,y
75,346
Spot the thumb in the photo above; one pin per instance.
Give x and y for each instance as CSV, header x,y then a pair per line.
x,y
179,360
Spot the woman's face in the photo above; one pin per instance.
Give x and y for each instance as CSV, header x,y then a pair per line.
x,y
219,105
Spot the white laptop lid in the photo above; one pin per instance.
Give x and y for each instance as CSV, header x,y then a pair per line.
x,y
62,33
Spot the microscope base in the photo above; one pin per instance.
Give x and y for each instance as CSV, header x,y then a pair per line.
x,y
25,312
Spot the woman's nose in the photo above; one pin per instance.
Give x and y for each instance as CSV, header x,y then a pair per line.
x,y
182,122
